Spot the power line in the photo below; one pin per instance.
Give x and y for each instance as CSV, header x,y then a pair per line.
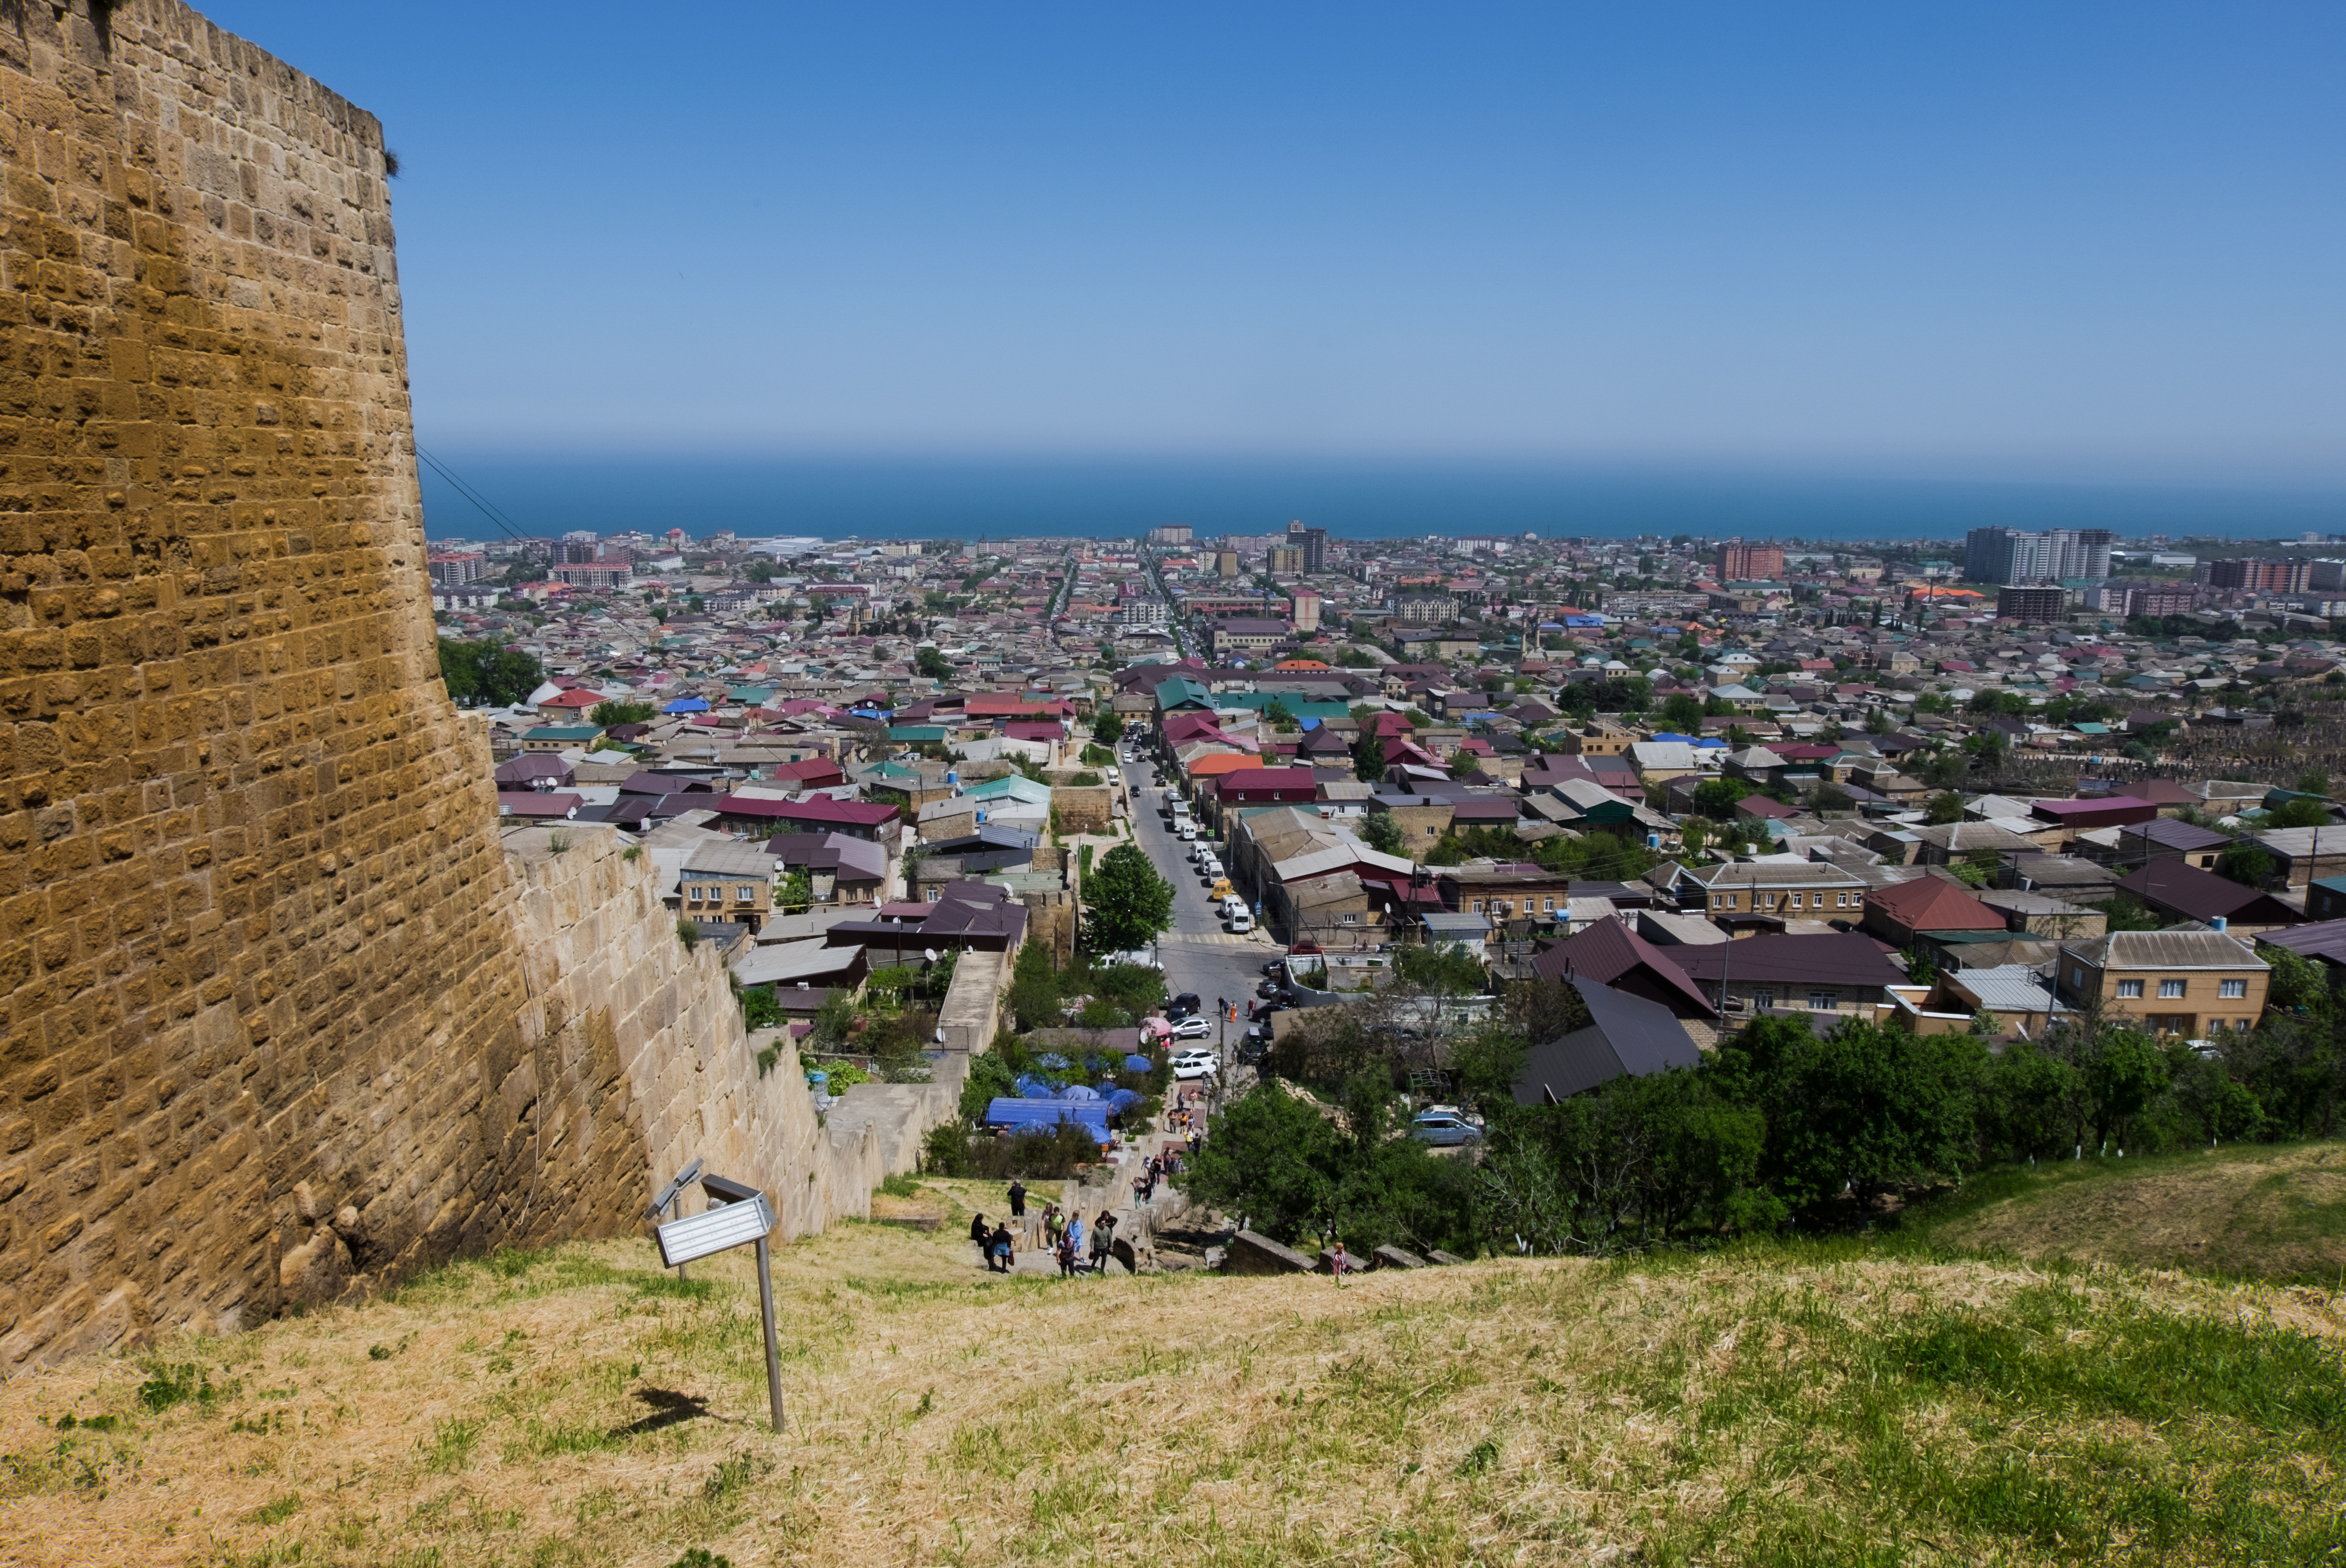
x,y
512,529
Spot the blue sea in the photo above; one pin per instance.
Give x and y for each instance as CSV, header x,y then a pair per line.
x,y
878,498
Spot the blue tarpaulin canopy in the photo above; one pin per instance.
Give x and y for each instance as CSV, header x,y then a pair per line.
x,y
1079,1092
1051,1060
1034,1088
1042,1115
688,704
1119,1100
1137,1065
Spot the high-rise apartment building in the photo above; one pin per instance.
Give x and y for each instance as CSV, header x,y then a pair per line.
x,y
2004,556
2032,604
1283,561
1312,541
1226,563
2261,576
1170,533
1307,610
1742,562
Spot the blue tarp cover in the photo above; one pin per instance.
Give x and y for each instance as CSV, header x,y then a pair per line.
x,y
1119,1100
1042,1115
1079,1092
1137,1064
1033,1088
687,704
1051,1060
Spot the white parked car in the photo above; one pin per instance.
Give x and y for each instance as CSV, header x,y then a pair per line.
x,y
1113,777
1192,1029
1209,867
1241,923
1185,828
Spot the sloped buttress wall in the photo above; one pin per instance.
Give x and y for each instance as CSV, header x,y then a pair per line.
x,y
266,1020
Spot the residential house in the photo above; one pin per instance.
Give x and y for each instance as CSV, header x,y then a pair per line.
x,y
1829,973
2189,982
558,737
2166,838
1609,953
2042,914
1514,890
1628,1035
2190,893
728,882
1776,887
2302,855
839,870
1900,912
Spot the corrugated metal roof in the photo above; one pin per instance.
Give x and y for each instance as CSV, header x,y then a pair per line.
x,y
2006,988
2166,950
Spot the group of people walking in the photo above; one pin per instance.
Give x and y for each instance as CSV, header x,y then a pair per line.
x,y
1064,1234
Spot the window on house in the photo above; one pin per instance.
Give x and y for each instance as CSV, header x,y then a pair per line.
x,y
1431,833
744,894
1763,999
2167,988
1824,1000
1351,918
1477,907
2129,987
2076,977
1551,903
2232,987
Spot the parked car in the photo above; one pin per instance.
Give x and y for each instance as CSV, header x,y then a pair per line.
x,y
1444,1130
1240,923
1139,956
1272,987
1193,1054
1252,1053
1190,1070
1276,968
1186,828
1187,1003
1192,1028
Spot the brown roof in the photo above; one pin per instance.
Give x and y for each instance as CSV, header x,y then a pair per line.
x,y
1609,950
1926,903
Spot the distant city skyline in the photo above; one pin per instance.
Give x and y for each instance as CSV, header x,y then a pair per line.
x,y
961,499
2091,242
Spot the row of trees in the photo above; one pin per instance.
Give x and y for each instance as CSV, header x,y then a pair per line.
x,y
1779,1127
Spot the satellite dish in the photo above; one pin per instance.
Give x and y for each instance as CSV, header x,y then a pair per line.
x,y
930,954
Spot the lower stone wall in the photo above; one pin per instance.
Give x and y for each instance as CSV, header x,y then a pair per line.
x,y
639,1062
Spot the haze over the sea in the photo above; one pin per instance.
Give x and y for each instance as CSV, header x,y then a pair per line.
x,y
835,498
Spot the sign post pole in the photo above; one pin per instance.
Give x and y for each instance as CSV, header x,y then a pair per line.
x,y
773,1351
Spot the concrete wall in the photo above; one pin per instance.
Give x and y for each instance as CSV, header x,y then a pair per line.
x,y
972,1012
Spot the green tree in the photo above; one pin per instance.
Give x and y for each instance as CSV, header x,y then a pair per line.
x,y
2246,862
2313,784
1034,987
1369,758
1866,1110
1718,798
606,714
1944,807
796,895
2124,1072
487,673
1464,764
1383,834
2300,813
1108,727
931,663
1127,903
1273,1159
1682,713
1445,970
1281,716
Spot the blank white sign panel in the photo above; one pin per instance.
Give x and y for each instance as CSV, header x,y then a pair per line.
x,y
727,1225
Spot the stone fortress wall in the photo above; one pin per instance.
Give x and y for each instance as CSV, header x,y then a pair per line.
x,y
279,1009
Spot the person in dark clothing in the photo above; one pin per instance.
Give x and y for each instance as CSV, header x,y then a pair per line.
x,y
983,1234
1103,1241
1018,1198
1003,1255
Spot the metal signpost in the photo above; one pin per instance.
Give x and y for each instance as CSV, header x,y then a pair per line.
x,y
672,1196
738,1215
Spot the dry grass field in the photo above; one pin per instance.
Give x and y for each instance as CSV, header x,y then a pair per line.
x,y
1779,1405
2269,1213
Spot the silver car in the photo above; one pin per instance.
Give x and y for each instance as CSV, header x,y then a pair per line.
x,y
1445,1131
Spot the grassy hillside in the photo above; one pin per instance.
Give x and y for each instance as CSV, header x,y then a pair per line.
x,y
1780,1405
2245,1211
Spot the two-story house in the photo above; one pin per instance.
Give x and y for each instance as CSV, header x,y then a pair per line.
x,y
1797,890
2185,983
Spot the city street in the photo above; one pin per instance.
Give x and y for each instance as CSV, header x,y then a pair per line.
x,y
1197,953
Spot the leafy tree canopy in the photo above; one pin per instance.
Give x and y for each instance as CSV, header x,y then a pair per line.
x,y
1127,904
487,673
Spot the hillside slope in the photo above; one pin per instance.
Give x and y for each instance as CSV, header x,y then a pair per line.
x,y
2260,1212
1820,1405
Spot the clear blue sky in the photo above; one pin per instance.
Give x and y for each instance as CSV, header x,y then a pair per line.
x,y
2100,241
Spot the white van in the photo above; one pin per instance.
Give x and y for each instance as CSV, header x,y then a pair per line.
x,y
1185,828
1232,905
1241,923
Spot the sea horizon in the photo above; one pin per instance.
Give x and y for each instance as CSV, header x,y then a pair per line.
x,y
767,497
